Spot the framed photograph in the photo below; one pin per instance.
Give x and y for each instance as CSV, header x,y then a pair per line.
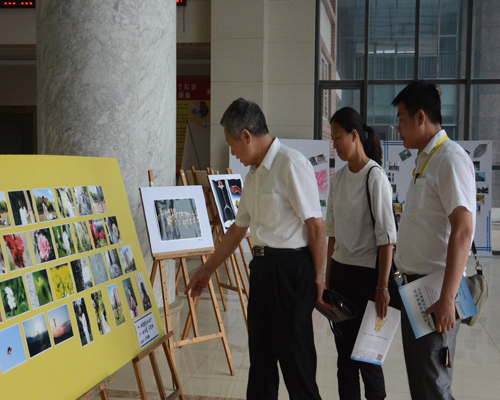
x,y
113,261
127,257
227,191
64,240
5,221
37,335
98,235
3,265
113,231
39,289
81,273
82,199
14,297
143,291
18,251
98,267
62,281
116,304
65,202
83,322
176,218
21,205
13,353
45,204
60,324
82,236
43,246
98,201
100,313
131,299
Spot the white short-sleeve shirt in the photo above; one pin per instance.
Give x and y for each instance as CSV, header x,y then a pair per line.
x,y
348,218
447,182
278,196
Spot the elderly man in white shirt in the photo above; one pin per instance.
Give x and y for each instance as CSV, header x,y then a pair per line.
x,y
280,203
435,233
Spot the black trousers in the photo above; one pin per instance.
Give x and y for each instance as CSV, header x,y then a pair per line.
x,y
280,329
358,285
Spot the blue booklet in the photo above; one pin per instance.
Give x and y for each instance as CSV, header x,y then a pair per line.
x,y
419,295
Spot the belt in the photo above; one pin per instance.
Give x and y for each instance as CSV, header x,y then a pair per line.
x,y
264,251
407,278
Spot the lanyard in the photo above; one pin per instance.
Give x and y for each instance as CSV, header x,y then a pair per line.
x,y
445,137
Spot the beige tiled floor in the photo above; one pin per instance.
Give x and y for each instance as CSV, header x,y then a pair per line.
x,y
203,369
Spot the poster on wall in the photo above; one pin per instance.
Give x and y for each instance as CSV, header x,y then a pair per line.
x,y
62,274
316,151
227,191
399,163
193,124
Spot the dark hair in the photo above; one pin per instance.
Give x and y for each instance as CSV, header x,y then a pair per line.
x,y
244,114
421,95
348,119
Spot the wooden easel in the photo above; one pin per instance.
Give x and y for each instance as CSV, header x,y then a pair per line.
x,y
99,389
182,256
240,288
150,351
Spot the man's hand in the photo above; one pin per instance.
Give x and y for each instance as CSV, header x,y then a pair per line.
x,y
382,299
444,311
320,286
198,282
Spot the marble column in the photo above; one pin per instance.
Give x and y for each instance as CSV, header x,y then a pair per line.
x,y
106,73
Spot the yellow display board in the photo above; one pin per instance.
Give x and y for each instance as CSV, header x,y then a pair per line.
x,y
60,250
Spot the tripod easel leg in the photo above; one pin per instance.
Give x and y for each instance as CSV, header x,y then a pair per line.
x,y
238,288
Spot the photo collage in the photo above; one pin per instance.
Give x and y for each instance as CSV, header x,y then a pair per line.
x,y
46,263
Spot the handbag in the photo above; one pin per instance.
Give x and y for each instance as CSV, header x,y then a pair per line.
x,y
343,309
395,278
478,287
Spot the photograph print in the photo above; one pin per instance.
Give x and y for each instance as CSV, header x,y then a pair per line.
x,y
82,199
82,236
100,313
112,229
18,252
14,297
482,188
45,204
480,176
43,246
113,262
63,239
60,324
39,289
83,321
12,351
98,267
97,231
176,218
62,281
21,205
4,212
131,299
3,265
143,291
37,335
98,201
224,203
128,260
65,202
81,273
116,304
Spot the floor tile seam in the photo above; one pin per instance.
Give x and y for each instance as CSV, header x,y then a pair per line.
x,y
488,333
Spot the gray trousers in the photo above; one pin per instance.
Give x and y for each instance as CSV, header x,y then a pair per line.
x,y
428,377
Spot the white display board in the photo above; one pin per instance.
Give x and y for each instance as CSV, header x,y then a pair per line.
x,y
316,151
399,162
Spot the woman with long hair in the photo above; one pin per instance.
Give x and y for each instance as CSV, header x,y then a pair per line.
x,y
359,247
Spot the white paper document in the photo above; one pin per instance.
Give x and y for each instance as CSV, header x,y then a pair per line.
x,y
375,335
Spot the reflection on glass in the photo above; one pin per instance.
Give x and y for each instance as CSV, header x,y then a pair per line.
x,y
381,114
441,39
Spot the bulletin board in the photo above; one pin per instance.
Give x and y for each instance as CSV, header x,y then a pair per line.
x,y
74,289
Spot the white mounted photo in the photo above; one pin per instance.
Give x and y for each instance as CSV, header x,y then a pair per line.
x,y
227,191
176,218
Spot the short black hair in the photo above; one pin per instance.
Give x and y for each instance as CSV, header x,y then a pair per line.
x,y
421,95
244,114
